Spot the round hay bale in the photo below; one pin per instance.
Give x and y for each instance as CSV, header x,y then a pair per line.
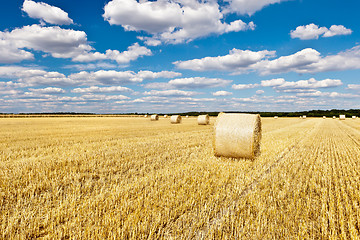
x,y
304,117
237,135
354,117
154,117
145,116
175,119
342,117
276,117
165,116
324,117
203,119
334,117
187,116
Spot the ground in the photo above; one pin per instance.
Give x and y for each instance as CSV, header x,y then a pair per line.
x,y
122,177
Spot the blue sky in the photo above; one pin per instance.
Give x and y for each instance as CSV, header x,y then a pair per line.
x,y
123,56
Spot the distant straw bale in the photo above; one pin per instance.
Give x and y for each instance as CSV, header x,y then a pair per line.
x,y
203,119
154,117
175,119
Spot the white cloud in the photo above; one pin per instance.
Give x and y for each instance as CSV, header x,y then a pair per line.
x,y
302,86
193,82
273,82
307,60
115,77
26,77
354,86
327,94
236,60
312,31
248,6
96,89
171,21
99,97
60,43
47,13
171,93
153,75
244,86
9,53
48,90
198,82
134,52
337,30
295,62
259,92
31,77
222,93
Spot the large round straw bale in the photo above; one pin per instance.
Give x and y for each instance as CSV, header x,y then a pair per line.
x,y
334,117
203,119
276,117
237,135
354,117
165,116
342,117
154,117
324,117
145,116
187,116
304,116
175,119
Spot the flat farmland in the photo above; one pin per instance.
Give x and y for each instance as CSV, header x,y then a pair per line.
x,y
132,178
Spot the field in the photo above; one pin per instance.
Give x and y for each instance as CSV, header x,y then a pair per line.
x,y
130,178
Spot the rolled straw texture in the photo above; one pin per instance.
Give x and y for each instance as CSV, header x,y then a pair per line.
x,y
237,135
175,119
154,117
342,117
203,119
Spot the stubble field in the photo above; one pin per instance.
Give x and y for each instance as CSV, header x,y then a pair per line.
x,y
130,178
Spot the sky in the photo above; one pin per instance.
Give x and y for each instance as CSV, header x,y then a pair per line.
x,y
125,56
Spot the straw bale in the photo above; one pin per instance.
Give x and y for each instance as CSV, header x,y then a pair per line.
x,y
154,117
237,135
175,119
276,117
342,117
203,119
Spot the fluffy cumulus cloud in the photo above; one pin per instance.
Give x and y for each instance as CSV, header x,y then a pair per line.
x,y
172,93
244,86
60,43
46,13
312,31
221,93
280,84
97,89
193,82
47,90
248,6
354,86
307,60
236,60
171,21
116,77
25,77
